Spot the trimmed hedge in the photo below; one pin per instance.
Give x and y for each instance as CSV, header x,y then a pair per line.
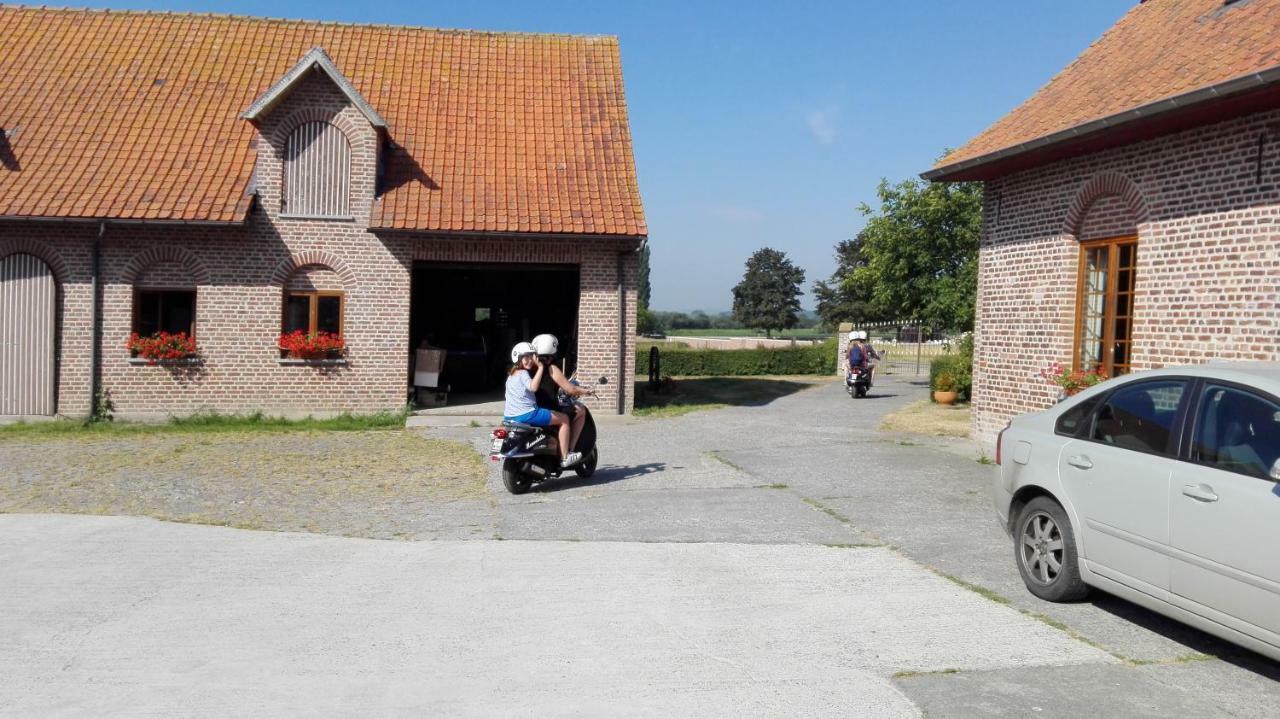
x,y
813,359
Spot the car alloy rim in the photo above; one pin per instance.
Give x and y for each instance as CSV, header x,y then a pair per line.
x,y
1040,548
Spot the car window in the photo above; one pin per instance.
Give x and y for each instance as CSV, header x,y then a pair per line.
x,y
1237,431
1139,416
1075,420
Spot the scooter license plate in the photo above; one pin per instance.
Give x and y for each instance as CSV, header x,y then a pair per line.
x,y
495,445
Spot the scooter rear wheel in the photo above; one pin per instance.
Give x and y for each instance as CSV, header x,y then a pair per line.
x,y
587,466
515,482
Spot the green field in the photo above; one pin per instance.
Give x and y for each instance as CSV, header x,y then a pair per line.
x,y
800,334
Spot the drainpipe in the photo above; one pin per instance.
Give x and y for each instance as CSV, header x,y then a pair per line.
x,y
95,358
622,335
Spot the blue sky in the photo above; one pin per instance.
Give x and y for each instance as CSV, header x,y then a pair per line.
x,y
766,124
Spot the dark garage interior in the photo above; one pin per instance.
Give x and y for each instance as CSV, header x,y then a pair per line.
x,y
477,312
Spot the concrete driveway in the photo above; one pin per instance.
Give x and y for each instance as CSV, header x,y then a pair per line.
x,y
785,559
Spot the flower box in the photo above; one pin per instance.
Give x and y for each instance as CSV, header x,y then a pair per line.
x,y
1072,381
312,346
163,347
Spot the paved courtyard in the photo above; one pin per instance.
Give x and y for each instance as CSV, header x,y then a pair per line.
x,y
779,560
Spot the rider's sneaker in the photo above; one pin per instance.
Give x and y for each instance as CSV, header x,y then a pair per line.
x,y
572,459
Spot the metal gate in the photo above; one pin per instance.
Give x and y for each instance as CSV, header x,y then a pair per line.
x,y
27,315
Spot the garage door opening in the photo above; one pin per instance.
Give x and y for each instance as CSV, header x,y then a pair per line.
x,y
477,312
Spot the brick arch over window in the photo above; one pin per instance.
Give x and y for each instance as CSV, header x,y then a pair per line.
x,y
1100,187
350,127
165,253
46,254
313,258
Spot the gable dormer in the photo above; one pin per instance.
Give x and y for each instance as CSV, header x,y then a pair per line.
x,y
318,144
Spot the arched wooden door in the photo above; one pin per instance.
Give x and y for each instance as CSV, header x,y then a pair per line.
x,y
27,326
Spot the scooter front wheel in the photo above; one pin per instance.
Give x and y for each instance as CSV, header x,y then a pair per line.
x,y
513,479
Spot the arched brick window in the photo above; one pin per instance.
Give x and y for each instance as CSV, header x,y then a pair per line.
x,y
317,171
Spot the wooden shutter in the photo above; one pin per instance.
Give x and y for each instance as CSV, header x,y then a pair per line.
x,y
317,172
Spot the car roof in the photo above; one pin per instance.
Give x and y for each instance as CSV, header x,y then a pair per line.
x,y
1264,375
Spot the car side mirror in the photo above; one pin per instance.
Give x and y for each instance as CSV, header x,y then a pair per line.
x,y
603,380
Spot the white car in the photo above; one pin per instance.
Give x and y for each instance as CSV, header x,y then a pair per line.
x,y
1159,487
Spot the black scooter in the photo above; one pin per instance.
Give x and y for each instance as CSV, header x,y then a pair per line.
x,y
530,454
857,382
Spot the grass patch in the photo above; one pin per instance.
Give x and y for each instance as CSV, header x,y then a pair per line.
x,y
826,510
698,393
925,417
204,423
360,483
911,673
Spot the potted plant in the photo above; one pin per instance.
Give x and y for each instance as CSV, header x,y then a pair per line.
x,y
312,346
162,347
1072,381
944,389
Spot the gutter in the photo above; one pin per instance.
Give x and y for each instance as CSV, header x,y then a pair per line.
x,y
495,234
1184,101
116,221
95,352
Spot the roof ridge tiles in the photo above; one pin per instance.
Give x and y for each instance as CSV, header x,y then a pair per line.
x,y
305,21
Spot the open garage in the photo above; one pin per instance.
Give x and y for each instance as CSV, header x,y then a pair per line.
x,y
476,312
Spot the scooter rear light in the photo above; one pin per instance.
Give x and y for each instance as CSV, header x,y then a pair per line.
x,y
500,433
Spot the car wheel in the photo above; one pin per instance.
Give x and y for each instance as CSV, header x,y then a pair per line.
x,y
1045,548
587,467
515,482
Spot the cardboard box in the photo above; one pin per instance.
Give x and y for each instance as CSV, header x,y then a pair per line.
x,y
427,366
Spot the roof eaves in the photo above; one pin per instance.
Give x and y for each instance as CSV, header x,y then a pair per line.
x,y
1174,103
316,57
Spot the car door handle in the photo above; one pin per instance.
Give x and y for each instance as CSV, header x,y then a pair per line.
x,y
1080,461
1199,492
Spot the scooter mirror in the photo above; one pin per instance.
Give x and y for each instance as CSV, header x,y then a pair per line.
x,y
603,380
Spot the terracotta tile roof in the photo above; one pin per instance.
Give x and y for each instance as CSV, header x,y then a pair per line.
x,y
137,115
1159,49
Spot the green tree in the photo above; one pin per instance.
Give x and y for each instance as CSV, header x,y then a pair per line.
x,y
645,290
768,297
841,298
921,252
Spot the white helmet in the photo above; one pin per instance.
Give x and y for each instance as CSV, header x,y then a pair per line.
x,y
521,348
546,345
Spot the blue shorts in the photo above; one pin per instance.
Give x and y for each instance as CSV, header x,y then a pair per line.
x,y
538,418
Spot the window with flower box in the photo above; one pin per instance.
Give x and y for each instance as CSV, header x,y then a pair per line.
x,y
164,324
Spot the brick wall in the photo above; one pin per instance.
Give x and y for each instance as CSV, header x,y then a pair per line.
x,y
1208,250
240,273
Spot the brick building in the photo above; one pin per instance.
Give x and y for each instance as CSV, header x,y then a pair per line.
x,y
1132,208
237,178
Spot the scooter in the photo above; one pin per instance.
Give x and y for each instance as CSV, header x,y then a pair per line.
x,y
530,454
857,382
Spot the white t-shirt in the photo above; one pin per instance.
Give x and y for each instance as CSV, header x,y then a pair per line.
x,y
520,399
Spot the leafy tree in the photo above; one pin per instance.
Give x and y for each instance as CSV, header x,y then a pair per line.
x,y
768,297
921,252
840,297
645,289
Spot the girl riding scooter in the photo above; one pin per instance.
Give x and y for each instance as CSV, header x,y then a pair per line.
x,y
523,382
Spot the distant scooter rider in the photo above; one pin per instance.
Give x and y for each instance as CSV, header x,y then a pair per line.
x,y
861,354
547,347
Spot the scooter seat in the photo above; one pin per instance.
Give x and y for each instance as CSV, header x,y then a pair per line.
x,y
517,425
